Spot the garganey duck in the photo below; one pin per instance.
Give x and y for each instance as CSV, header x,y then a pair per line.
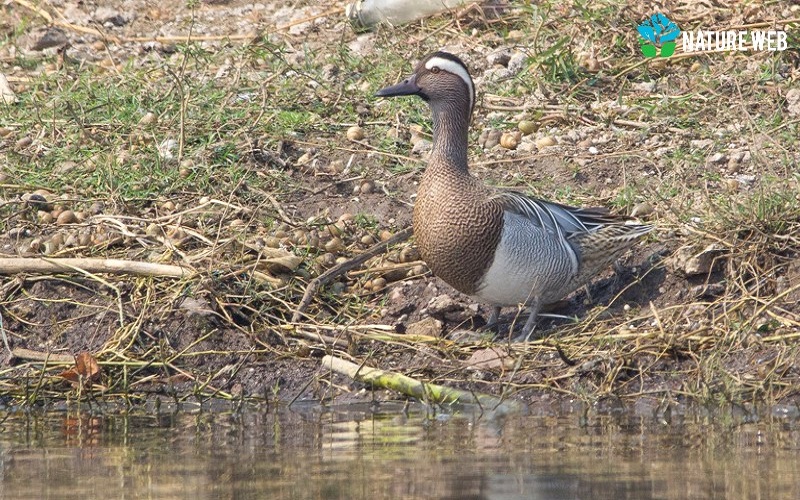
x,y
500,247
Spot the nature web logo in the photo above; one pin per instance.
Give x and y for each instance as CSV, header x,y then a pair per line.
x,y
658,31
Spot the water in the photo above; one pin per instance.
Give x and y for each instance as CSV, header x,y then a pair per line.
x,y
388,453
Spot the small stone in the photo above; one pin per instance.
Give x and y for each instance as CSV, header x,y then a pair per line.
x,y
793,101
442,304
44,217
378,284
499,57
545,142
355,133
66,217
527,127
717,158
367,187
148,118
305,159
97,208
510,140
334,245
642,209
23,142
692,263
53,37
421,146
7,95
35,245
732,185
492,358
72,240
37,201
326,260
57,239
428,327
418,270
109,16
492,139
154,230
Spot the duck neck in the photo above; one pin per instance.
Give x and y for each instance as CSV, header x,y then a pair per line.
x,y
450,130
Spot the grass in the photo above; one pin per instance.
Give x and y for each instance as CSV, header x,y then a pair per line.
x,y
231,158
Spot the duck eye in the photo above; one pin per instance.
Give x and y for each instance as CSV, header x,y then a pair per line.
x,y
435,69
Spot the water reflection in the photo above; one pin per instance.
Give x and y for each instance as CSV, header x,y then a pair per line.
x,y
388,453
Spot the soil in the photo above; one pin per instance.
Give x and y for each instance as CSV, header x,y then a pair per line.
x,y
635,334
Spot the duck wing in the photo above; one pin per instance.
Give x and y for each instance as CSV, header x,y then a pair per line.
x,y
561,220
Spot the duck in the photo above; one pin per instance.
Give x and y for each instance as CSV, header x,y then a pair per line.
x,y
500,247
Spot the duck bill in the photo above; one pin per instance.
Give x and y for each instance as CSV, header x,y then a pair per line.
x,y
406,87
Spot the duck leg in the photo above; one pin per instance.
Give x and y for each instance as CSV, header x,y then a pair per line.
x,y
493,323
530,324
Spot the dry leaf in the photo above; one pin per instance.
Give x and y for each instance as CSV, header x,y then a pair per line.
x,y
86,370
277,259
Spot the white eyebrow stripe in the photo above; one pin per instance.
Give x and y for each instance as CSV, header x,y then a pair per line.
x,y
456,69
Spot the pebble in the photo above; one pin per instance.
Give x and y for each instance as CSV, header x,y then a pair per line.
x,y
66,217
642,209
378,284
45,217
490,139
545,142
148,118
367,187
428,327
7,95
355,133
527,127
23,142
690,262
334,245
326,260
717,158
37,201
510,140
793,101
732,185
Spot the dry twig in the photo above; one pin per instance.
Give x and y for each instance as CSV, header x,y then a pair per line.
x,y
421,390
315,284
110,266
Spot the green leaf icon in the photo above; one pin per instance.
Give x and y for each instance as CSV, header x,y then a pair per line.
x,y
649,50
667,49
